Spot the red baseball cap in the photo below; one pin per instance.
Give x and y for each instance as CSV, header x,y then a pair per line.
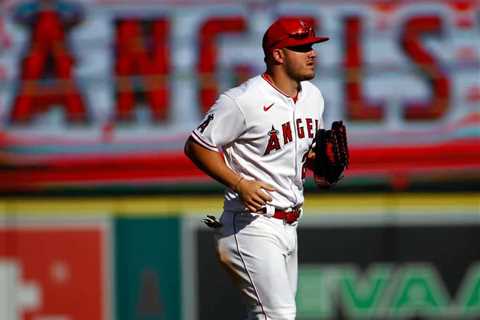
x,y
289,32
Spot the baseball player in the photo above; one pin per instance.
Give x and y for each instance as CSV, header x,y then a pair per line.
x,y
256,140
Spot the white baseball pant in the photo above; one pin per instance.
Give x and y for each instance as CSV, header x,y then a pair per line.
x,y
261,255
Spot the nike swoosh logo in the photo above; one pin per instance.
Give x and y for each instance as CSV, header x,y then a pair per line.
x,y
265,108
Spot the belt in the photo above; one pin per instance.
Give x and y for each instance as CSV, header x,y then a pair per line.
x,y
289,216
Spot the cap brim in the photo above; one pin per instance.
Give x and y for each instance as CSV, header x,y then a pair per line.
x,y
295,43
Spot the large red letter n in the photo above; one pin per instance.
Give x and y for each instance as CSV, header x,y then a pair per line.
x,y
142,66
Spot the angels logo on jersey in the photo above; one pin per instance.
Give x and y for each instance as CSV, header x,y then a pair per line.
x,y
304,129
273,143
205,123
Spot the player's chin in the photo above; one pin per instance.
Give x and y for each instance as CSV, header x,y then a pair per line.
x,y
308,75
309,72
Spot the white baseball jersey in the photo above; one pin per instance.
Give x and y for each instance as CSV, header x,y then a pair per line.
x,y
264,135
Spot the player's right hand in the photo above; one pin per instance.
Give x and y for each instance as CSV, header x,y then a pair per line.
x,y
254,194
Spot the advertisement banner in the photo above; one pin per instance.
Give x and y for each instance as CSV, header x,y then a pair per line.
x,y
53,271
389,272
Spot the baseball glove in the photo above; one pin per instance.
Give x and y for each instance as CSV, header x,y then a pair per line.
x,y
331,154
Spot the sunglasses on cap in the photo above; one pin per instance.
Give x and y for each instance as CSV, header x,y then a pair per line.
x,y
302,33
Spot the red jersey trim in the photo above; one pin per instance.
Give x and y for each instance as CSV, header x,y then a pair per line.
x,y
203,143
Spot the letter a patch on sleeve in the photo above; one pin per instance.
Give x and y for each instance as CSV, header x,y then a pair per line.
x,y
205,123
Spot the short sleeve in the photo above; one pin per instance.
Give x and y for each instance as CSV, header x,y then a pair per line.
x,y
222,124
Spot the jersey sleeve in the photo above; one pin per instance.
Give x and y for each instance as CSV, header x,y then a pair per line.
x,y
222,124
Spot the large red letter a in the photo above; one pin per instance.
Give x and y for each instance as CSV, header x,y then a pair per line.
x,y
47,74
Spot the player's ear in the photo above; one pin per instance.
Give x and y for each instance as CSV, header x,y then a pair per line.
x,y
278,55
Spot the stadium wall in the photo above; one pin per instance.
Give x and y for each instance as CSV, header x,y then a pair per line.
x,y
385,256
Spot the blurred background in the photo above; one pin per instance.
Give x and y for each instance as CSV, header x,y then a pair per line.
x,y
100,210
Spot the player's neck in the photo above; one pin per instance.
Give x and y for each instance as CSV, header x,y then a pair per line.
x,y
283,83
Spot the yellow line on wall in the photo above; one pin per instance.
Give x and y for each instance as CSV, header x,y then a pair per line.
x,y
176,205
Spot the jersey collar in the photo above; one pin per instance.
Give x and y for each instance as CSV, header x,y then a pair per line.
x,y
267,78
